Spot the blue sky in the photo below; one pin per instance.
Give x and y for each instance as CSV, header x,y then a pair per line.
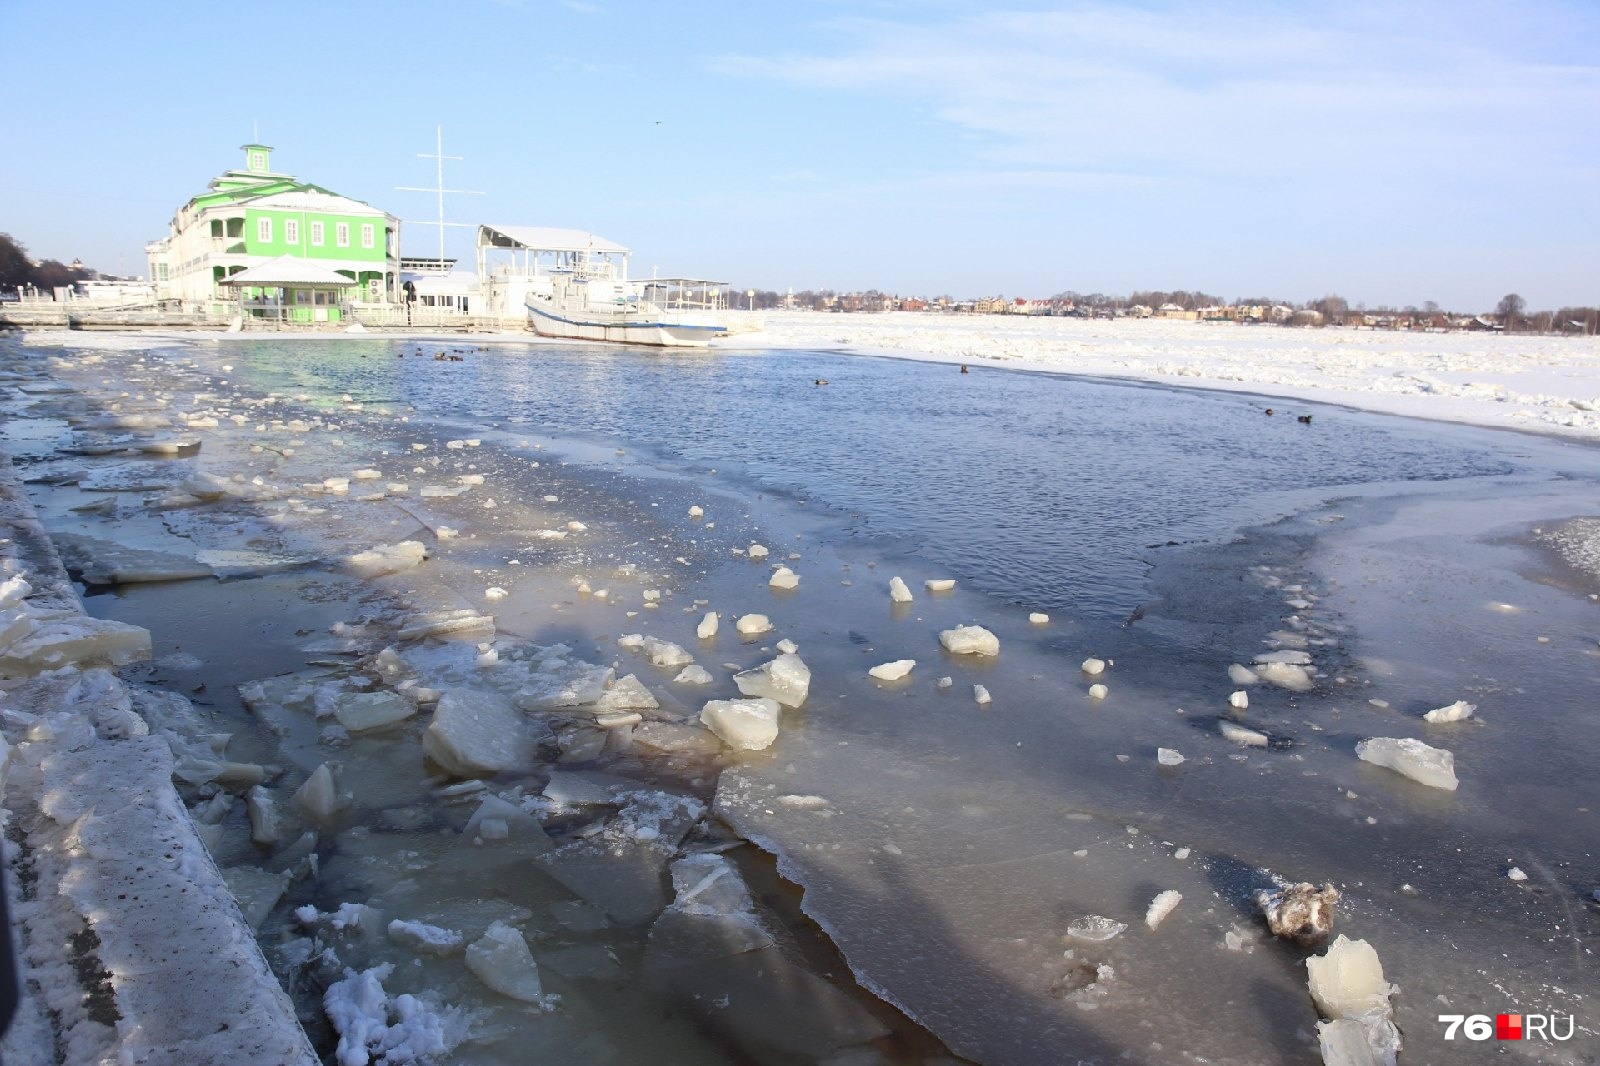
x,y
1389,152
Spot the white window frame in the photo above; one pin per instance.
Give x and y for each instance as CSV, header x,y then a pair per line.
x,y
316,235
368,238
258,161
264,230
341,234
291,231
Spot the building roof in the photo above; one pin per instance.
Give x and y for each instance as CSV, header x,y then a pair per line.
x,y
312,199
288,270
545,239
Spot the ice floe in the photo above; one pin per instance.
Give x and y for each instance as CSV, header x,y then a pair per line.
x,y
969,640
1427,765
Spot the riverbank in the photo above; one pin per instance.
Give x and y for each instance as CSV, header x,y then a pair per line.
x,y
129,943
943,842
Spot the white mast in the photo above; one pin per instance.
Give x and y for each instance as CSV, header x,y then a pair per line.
x,y
439,190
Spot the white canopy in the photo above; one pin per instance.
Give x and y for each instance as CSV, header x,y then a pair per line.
x,y
288,270
545,239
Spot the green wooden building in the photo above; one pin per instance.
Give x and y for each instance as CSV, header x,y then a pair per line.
x,y
252,216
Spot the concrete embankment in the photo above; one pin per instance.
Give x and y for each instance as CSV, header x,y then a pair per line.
x,y
131,947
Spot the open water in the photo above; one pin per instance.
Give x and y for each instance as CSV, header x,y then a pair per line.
x,y
1042,489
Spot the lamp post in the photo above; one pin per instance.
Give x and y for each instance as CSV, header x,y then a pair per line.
x,y
750,298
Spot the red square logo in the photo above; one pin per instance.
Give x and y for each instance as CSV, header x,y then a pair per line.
x,y
1508,1027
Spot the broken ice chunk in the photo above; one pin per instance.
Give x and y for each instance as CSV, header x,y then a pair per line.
x,y
784,578
748,724
425,939
256,890
1169,757
939,584
786,679
474,732
1161,906
1093,666
263,813
1344,1043
495,819
13,591
494,594
707,627
1098,692
1292,676
1301,913
358,711
788,647
1242,675
52,639
502,961
1039,618
626,694
1435,767
1250,738
708,884
752,625
693,675
1095,927
898,591
980,695
757,551
970,640
465,624
711,916
320,797
696,511
665,653
1239,700
1347,983
892,671
1455,712
387,558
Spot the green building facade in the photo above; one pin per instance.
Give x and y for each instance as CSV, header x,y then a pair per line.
x,y
253,215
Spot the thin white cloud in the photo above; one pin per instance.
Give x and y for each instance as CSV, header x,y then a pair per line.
x,y
1256,89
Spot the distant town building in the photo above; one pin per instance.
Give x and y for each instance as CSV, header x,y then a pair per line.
x,y
249,217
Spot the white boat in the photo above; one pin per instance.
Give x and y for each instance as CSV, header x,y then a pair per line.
x,y
575,285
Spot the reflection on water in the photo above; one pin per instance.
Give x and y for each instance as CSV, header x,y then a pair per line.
x,y
1041,490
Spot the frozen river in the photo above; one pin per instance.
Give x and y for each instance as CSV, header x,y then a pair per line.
x,y
945,846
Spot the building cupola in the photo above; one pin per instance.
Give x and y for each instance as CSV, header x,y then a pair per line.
x,y
257,158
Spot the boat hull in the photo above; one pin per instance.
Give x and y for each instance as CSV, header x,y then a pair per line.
x,y
624,328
